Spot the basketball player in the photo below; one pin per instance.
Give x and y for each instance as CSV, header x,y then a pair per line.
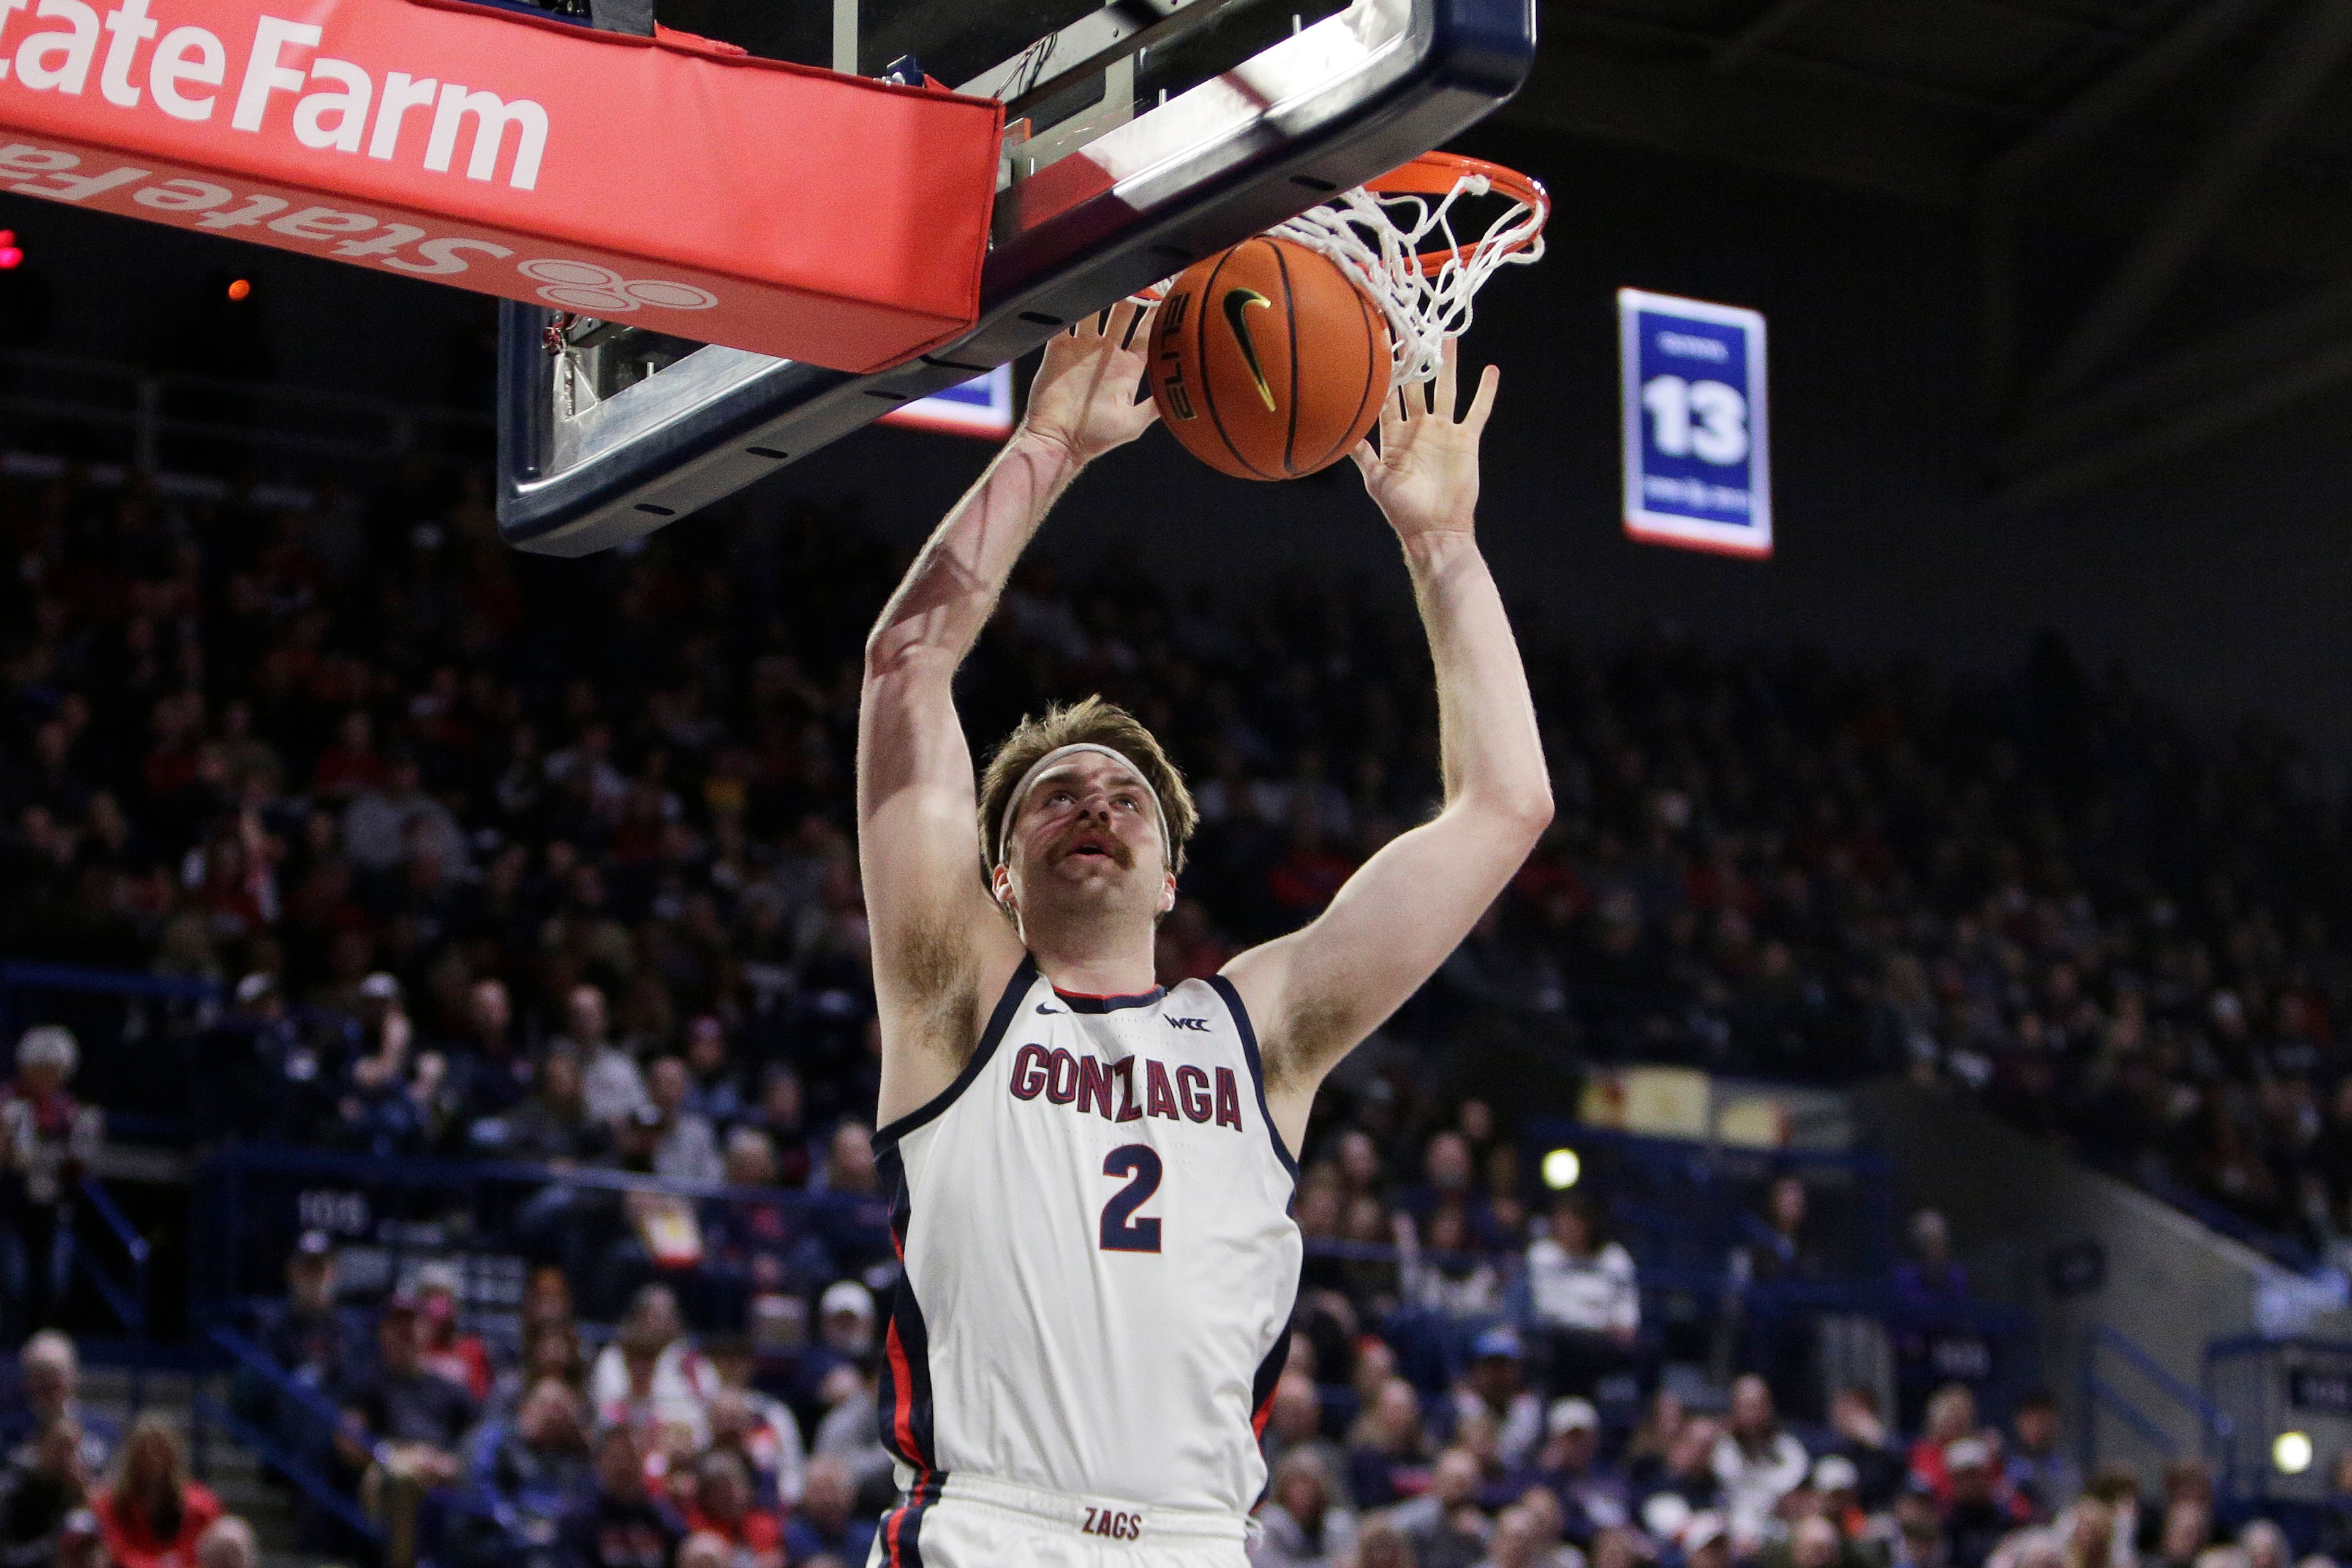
x,y
1092,1176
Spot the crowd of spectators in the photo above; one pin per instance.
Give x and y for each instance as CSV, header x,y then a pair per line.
x,y
663,1450
589,821
77,1491
495,855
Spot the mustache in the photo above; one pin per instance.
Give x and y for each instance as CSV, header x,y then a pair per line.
x,y
1112,844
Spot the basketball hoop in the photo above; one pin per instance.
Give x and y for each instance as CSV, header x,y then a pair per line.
x,y
1381,233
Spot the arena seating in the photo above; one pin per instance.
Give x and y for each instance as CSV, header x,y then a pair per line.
x,y
437,863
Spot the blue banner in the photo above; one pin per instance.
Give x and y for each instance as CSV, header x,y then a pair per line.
x,y
1698,448
980,407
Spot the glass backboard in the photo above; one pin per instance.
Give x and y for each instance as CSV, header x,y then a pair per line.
x,y
1143,135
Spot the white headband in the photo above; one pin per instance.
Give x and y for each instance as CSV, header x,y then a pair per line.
x,y
1020,792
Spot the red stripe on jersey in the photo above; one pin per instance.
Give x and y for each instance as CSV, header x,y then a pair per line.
x,y
902,1383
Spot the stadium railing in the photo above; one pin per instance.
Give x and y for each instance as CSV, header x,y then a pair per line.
x,y
129,1302
288,1424
2104,1394
135,1032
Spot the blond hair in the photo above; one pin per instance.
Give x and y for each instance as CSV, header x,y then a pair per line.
x,y
1092,721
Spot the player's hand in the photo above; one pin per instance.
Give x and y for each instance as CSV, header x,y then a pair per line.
x,y
1425,474
1084,398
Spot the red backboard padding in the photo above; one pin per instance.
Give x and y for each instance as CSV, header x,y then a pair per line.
x,y
670,183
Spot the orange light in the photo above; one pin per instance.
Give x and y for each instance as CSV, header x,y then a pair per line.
x,y
239,290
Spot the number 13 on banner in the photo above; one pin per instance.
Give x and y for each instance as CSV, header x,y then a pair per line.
x,y
1698,453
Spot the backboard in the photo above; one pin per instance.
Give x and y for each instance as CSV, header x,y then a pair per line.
x,y
1143,135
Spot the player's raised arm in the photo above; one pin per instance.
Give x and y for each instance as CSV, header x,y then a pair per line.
x,y
1318,992
940,951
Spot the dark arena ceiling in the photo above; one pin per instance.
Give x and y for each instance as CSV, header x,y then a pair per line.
x,y
2170,150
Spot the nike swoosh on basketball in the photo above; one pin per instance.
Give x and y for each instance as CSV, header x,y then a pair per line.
x,y
1236,302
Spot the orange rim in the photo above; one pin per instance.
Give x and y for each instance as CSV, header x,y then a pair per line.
x,y
1437,174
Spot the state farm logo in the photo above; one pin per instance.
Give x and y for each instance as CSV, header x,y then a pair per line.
x,y
335,105
601,291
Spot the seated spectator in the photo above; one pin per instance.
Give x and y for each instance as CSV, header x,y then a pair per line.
x,y
2335,1508
42,1483
1295,1424
622,1525
609,1077
1861,1440
2264,1545
1686,1483
758,1425
1493,1386
152,1514
1838,1486
1780,1249
1549,1546
2088,1532
556,1122
1379,1544
1705,1540
1756,1462
1304,1526
1388,1450
1813,1542
46,1140
228,1542
489,1069
551,1351
1438,1269
855,1230
2185,1529
756,1247
51,1371
1916,1540
308,1335
1444,1526
849,1431
1933,1281
1449,1184
844,1325
688,1149
400,1412
449,1352
538,1470
1591,1497
1974,1517
827,1523
651,1373
1951,1417
1587,1305
2040,1478
1644,1457
723,1507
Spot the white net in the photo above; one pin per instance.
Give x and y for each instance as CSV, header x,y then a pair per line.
x,y
1381,237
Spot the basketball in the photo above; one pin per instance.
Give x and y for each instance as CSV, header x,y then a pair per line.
x,y
1268,362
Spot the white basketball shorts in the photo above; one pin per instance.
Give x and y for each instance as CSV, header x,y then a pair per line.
x,y
977,1523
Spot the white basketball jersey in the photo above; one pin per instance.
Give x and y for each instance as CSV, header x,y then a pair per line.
x,y
1100,1259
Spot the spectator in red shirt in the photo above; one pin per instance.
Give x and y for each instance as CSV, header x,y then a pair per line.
x,y
722,1507
154,1513
450,1353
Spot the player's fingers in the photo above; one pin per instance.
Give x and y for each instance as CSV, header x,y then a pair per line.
x,y
1139,318
1447,364
1367,459
1482,402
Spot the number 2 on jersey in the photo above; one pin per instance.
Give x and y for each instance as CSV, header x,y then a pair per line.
x,y
1122,1231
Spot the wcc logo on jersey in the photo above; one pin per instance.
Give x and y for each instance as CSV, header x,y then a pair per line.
x,y
1107,1089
